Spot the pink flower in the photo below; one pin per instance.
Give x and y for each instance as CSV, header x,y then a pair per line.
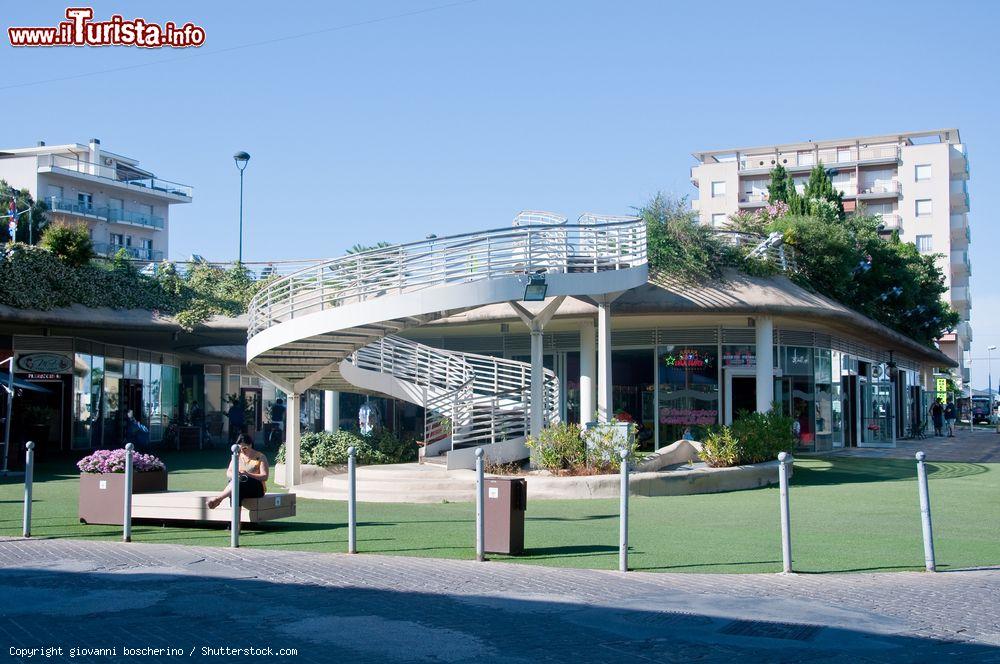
x,y
113,461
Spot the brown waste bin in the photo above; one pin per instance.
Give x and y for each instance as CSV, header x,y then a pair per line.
x,y
506,501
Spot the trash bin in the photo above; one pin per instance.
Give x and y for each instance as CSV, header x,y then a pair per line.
x,y
506,502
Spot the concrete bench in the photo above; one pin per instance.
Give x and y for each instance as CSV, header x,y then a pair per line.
x,y
193,506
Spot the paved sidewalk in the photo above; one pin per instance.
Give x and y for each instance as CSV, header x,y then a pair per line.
x,y
369,608
979,446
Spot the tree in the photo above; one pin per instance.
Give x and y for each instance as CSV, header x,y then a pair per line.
x,y
777,189
676,242
70,242
819,198
31,225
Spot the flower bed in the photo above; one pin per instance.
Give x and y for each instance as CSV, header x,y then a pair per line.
x,y
102,483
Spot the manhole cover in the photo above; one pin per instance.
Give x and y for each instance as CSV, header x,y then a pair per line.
x,y
771,630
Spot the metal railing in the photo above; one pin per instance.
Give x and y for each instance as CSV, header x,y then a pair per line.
x,y
881,187
155,185
397,269
471,399
105,212
778,253
135,253
830,157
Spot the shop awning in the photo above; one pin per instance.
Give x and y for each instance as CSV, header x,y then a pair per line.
x,y
21,384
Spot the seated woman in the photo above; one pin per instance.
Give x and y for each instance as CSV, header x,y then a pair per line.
x,y
253,474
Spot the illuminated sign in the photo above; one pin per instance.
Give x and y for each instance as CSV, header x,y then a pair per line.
x,y
688,359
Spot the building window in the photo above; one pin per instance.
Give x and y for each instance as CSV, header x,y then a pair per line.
x,y
922,172
843,154
924,207
718,188
117,240
718,220
925,244
85,200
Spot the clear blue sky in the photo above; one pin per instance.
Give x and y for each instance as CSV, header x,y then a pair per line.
x,y
452,120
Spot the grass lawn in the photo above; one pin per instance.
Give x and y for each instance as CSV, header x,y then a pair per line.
x,y
847,515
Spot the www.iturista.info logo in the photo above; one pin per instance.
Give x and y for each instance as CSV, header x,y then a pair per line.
x,y
81,30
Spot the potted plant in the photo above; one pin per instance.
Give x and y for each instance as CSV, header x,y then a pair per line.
x,y
102,483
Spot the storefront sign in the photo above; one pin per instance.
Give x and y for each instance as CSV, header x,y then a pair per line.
x,y
739,358
688,359
49,363
42,376
688,416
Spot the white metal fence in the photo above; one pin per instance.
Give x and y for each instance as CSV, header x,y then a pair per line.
x,y
471,399
440,261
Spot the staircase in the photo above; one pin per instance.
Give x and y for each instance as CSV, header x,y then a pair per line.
x,y
334,324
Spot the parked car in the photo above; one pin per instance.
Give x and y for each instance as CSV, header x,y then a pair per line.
x,y
981,411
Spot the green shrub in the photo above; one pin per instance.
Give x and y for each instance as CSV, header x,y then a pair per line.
x,y
719,449
394,448
564,447
559,447
70,242
753,438
330,448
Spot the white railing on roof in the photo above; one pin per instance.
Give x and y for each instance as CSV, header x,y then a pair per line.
x,y
469,257
471,399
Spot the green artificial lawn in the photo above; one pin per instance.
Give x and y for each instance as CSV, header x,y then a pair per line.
x,y
847,514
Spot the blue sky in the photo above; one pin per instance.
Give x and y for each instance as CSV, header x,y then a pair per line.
x,y
454,119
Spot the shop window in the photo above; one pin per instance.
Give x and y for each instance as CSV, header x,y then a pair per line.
x,y
688,391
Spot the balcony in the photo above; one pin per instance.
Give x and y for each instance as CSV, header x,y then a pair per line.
x,y
54,163
960,264
753,199
891,222
880,189
959,197
103,212
959,159
960,296
135,253
830,157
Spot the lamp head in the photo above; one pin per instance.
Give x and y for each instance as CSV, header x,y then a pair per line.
x,y
241,158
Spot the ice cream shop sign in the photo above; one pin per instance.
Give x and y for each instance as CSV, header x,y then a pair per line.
x,y
45,363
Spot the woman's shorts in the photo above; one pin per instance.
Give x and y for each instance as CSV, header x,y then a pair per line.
x,y
250,487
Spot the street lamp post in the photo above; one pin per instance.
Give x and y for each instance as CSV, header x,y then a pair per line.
x,y
989,375
241,158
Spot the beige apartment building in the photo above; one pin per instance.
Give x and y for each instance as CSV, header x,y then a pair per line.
x,y
124,206
916,181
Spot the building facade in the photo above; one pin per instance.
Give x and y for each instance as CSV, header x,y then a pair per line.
x,y
917,183
123,205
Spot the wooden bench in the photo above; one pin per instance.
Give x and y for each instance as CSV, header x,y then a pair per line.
x,y
193,506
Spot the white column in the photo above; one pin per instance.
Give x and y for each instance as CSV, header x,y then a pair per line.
x,y
588,371
293,466
331,410
223,391
765,363
537,381
604,379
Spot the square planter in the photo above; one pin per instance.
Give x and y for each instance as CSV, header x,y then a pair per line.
x,y
102,496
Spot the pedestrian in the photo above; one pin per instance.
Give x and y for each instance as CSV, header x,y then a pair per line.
x,y
277,420
237,417
950,415
937,416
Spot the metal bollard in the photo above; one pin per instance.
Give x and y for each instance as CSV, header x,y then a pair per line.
x,y
127,514
784,460
925,514
623,516
352,497
480,529
234,499
29,476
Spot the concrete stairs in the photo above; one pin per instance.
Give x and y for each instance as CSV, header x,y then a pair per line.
x,y
404,482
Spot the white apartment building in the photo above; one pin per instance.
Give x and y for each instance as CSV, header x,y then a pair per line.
x,y
916,181
123,205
